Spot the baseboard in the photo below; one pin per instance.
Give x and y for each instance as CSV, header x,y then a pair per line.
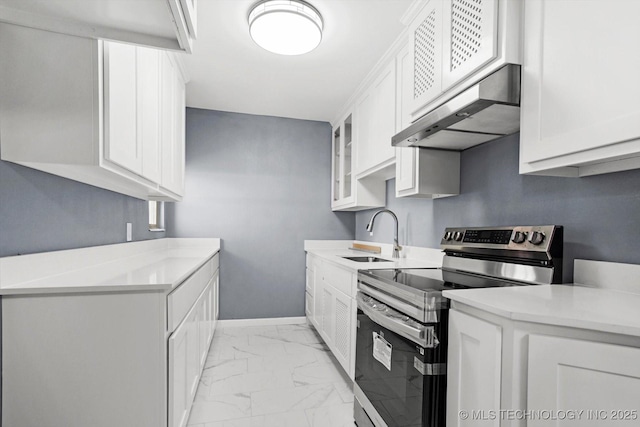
x,y
262,322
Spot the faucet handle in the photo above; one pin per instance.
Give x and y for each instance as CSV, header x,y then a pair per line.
x,y
396,251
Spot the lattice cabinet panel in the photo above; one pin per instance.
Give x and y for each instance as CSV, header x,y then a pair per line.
x,y
426,54
469,36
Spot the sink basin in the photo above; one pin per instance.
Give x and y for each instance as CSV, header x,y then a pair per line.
x,y
366,259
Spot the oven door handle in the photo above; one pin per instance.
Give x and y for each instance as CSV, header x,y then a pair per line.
x,y
397,322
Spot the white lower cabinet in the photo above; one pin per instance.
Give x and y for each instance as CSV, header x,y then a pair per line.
x,y
133,359
188,349
473,369
567,374
343,308
334,309
520,374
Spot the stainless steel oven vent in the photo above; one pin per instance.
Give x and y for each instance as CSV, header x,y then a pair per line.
x,y
488,110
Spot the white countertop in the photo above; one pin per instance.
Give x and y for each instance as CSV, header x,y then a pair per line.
x,y
562,305
411,257
159,264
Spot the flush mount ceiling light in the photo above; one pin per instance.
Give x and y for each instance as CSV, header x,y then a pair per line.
x,y
286,27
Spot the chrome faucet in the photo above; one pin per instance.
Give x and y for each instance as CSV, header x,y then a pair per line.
x,y
396,247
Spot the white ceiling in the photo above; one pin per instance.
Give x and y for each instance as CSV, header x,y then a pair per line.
x,y
229,72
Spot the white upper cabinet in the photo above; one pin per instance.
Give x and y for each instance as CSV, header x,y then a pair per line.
x,y
172,126
148,80
342,167
376,124
92,111
455,43
164,24
580,113
348,192
425,56
469,35
120,107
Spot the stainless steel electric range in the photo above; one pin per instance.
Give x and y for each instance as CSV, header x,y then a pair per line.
x,y
401,341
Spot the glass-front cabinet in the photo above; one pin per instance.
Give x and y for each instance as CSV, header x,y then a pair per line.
x,y
347,192
342,189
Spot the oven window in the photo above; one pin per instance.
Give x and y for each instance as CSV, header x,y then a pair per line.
x,y
403,396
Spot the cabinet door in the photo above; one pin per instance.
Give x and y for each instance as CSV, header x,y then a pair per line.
x,y
342,314
473,369
148,105
172,129
328,315
178,382
342,168
309,294
405,157
376,121
204,325
470,38
213,304
405,169
193,353
318,299
580,86
216,300
190,12
601,379
336,168
120,97
363,118
425,33
179,145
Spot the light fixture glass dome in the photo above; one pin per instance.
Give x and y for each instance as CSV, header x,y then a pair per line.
x,y
286,27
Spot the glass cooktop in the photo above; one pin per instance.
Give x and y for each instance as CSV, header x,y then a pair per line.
x,y
430,280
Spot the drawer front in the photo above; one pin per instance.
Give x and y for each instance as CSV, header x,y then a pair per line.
x,y
180,301
342,280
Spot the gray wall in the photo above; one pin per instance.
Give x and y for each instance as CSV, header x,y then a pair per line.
x,y
42,212
601,214
261,184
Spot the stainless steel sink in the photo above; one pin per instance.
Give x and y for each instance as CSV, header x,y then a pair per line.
x,y
365,259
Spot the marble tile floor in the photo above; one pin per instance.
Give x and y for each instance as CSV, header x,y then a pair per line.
x,y
271,376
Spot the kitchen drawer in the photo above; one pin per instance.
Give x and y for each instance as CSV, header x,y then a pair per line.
x,y
180,301
339,278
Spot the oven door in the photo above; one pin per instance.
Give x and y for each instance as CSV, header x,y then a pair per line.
x,y
402,381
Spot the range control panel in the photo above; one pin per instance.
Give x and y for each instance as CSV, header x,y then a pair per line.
x,y
516,237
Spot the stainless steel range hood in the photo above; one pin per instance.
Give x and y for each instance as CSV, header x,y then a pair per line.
x,y
488,110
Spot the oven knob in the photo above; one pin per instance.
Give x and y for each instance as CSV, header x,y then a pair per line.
x,y
457,236
447,235
519,237
536,237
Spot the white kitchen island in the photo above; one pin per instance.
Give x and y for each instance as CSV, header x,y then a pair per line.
x,y
112,335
